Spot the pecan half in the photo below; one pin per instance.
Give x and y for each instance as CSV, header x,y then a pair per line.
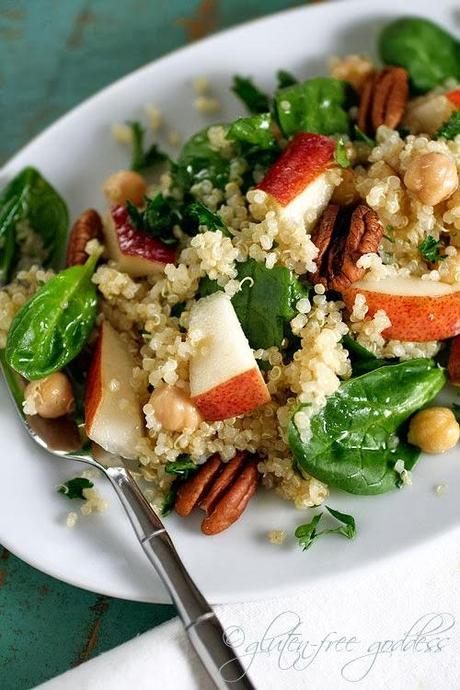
x,y
383,99
343,235
221,489
87,227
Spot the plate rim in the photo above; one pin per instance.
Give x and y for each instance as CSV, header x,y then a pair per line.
x,y
285,589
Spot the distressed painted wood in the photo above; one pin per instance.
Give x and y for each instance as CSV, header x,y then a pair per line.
x,y
53,54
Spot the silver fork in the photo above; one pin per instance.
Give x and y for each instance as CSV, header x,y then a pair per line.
x,y
62,438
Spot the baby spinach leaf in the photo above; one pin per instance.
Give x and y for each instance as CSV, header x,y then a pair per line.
x,y
158,217
52,327
265,304
307,534
199,214
253,130
208,287
429,249
451,128
285,79
253,98
354,442
31,199
318,105
362,359
142,159
428,52
74,487
199,161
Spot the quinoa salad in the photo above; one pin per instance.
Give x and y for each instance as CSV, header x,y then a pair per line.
x,y
276,307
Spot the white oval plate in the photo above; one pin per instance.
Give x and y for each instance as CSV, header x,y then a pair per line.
x,y
76,154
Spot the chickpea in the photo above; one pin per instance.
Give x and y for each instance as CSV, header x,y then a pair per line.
x,y
123,186
434,430
174,410
427,113
50,397
432,177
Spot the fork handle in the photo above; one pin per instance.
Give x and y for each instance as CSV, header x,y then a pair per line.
x,y
201,623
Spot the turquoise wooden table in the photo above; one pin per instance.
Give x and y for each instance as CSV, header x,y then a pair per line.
x,y
53,54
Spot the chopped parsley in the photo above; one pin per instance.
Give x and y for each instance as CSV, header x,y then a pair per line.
x,y
200,214
254,99
340,154
141,159
307,534
74,487
177,309
430,249
157,218
183,467
451,128
389,233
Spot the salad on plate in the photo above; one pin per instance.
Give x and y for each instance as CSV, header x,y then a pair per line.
x,y
278,306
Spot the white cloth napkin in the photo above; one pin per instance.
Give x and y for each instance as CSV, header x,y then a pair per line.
x,y
392,625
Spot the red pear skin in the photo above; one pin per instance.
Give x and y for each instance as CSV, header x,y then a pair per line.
x,y
305,158
134,242
93,389
413,318
238,395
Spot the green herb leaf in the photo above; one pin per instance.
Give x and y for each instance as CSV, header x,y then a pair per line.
x,y
181,466
318,105
52,327
170,499
253,98
307,534
362,359
253,130
430,248
340,154
362,136
141,160
355,439
451,128
428,52
29,198
158,217
177,309
285,79
74,487
199,161
202,215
